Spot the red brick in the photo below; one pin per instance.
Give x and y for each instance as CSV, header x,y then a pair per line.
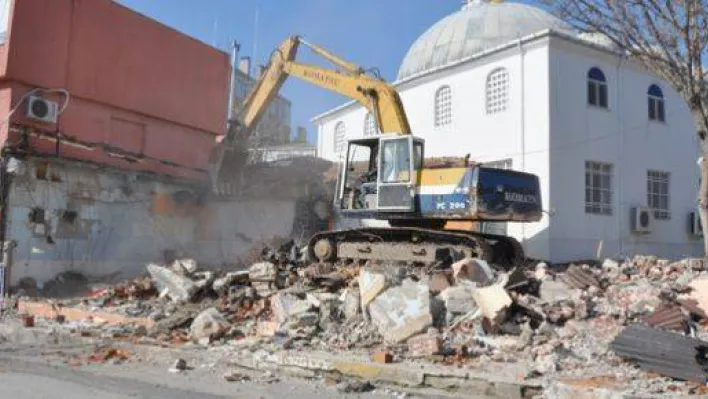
x,y
382,357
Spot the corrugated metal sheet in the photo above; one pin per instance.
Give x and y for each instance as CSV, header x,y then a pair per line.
x,y
663,352
670,317
693,308
579,278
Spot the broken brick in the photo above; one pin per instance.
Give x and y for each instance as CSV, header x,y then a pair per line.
x,y
382,357
427,344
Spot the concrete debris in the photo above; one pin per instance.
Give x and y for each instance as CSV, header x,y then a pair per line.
x,y
548,320
179,366
552,291
184,266
699,292
263,272
476,270
209,325
371,284
356,387
458,300
438,283
427,344
177,287
351,303
402,311
285,306
222,284
236,377
493,301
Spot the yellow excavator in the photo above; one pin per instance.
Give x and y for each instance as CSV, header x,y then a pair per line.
x,y
384,177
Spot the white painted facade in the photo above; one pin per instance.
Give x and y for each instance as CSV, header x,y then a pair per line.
x,y
548,128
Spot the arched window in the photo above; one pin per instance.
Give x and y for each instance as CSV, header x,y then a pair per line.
x,y
443,106
497,91
597,88
656,104
340,137
370,128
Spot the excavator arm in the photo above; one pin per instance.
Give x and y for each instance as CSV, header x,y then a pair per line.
x,y
379,97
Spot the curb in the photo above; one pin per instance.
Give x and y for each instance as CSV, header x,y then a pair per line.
x,y
405,375
48,311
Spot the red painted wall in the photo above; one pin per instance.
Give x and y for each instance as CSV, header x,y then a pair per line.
x,y
136,85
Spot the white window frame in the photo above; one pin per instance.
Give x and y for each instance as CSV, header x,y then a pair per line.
x,y
497,91
339,137
656,105
599,191
443,106
659,193
595,85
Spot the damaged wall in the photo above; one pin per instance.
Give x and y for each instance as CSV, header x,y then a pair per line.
x,y
105,223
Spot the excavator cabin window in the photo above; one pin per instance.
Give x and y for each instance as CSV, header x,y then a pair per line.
x,y
361,174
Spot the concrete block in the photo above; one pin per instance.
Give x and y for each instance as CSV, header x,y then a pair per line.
x,y
552,291
178,288
438,283
221,285
401,312
285,306
700,292
185,266
492,301
208,325
476,270
427,344
459,299
371,284
351,301
263,272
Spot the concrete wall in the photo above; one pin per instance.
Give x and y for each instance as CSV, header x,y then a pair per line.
x,y
117,222
136,85
624,136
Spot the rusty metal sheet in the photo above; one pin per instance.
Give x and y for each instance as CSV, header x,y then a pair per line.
x,y
579,278
691,305
670,317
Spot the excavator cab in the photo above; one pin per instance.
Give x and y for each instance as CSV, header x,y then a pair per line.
x,y
381,173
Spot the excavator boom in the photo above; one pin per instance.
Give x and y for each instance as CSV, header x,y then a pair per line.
x,y
379,97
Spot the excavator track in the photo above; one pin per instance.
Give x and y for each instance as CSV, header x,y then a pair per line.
x,y
413,245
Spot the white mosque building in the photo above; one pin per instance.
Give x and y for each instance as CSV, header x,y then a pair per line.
x,y
512,85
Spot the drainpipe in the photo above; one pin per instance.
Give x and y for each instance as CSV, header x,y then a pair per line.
x,y
522,129
620,149
232,90
5,247
231,112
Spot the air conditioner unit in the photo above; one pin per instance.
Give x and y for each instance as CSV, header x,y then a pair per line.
x,y
42,110
642,219
694,224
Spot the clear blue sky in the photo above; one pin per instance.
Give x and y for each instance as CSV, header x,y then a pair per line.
x,y
372,33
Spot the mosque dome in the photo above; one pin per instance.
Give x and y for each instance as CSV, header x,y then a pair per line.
x,y
480,25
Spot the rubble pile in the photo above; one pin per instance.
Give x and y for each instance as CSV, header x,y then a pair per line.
x,y
558,320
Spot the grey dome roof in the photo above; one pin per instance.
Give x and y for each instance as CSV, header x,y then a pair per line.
x,y
477,27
